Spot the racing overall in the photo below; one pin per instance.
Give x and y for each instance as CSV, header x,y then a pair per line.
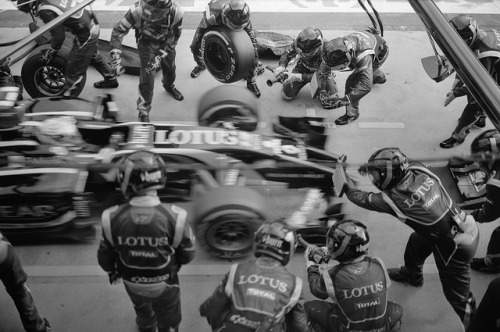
x,y
370,52
420,201
14,279
252,291
83,24
146,242
489,212
305,66
152,37
359,294
487,50
212,16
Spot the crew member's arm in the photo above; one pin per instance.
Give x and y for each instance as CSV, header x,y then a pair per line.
x,y
324,73
58,32
106,254
217,306
316,283
491,207
122,28
176,27
367,200
251,33
296,319
287,56
184,253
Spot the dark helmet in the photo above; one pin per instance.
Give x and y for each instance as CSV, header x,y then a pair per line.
x,y
235,14
308,43
386,167
467,28
337,53
487,144
347,240
140,172
275,239
155,10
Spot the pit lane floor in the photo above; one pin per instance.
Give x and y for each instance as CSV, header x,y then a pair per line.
x,y
74,294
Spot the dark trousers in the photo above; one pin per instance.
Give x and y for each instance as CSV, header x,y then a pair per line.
x,y
148,50
163,311
14,280
99,63
455,276
78,62
493,251
291,87
487,317
470,115
326,316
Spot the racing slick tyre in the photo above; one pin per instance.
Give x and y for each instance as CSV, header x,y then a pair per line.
x,y
45,80
226,218
228,55
229,105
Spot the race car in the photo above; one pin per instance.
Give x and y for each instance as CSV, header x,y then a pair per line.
x,y
58,168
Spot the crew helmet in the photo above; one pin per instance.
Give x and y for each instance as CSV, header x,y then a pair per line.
x,y
155,10
347,240
275,239
385,168
337,53
140,172
488,145
308,43
235,14
467,28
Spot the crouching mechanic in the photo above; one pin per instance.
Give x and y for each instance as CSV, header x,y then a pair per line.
x,y
416,196
487,147
307,47
361,52
145,242
356,283
14,279
235,14
260,292
7,79
158,27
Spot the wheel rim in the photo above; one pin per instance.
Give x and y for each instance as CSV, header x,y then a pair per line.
x,y
49,80
218,58
234,233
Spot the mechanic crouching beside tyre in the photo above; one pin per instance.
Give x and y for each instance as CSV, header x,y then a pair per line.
x,y
235,15
145,242
14,279
416,196
158,27
260,294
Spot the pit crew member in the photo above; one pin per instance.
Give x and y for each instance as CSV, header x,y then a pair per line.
x,y
158,27
356,283
7,79
362,52
416,196
488,145
235,14
485,44
146,242
307,46
261,289
14,279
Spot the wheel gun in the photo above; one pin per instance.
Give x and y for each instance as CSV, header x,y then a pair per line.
x,y
316,253
279,78
155,64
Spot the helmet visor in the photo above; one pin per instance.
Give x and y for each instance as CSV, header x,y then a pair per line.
x,y
237,19
155,11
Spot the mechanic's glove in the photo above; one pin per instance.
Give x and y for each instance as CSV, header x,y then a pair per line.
x,y
470,232
278,70
116,62
114,278
156,62
315,255
47,56
327,100
449,98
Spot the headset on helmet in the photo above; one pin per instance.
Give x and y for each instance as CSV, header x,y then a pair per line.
x,y
337,53
155,10
347,240
309,42
275,239
236,14
467,28
386,167
140,172
488,145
